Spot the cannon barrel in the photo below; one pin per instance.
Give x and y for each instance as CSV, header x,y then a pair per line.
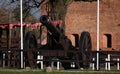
x,y
52,29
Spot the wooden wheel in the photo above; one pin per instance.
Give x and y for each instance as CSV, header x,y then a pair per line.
x,y
85,46
30,45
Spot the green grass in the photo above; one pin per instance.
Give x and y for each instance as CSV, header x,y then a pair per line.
x,y
59,72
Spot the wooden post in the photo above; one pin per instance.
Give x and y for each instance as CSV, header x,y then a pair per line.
x,y
118,64
93,64
3,60
106,65
108,61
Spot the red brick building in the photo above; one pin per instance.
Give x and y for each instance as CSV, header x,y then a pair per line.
x,y
82,16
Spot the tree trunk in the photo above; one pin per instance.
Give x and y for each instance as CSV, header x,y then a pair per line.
x,y
58,10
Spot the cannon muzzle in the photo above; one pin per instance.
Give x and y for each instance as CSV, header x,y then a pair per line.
x,y
44,20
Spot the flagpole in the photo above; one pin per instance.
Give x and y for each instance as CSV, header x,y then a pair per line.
x,y
21,33
98,18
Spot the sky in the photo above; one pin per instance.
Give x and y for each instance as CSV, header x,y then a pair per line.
x,y
11,6
36,12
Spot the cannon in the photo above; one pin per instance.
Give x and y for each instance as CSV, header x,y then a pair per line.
x,y
56,36
58,45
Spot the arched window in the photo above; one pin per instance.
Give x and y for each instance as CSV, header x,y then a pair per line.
x,y
107,40
76,39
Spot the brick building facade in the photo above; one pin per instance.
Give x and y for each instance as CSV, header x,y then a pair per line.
x,y
82,16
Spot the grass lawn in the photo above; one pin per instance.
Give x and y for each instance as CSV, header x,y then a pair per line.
x,y
57,72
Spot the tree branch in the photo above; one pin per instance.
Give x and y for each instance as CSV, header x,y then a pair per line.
x,y
37,4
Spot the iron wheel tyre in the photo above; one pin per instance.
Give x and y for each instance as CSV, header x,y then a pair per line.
x,y
85,46
30,45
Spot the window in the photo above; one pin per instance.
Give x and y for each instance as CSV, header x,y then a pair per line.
x,y
76,39
107,40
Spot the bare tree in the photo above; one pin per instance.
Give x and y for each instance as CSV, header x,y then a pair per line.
x,y
28,5
57,9
13,8
4,16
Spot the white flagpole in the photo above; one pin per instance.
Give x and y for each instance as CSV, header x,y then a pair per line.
x,y
21,33
98,18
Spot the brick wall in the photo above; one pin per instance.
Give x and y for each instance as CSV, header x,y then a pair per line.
x,y
81,16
